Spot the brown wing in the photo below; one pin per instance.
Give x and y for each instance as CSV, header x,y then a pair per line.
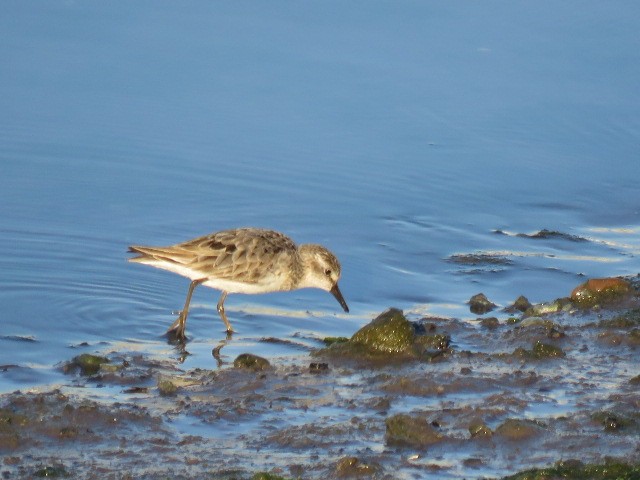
x,y
244,254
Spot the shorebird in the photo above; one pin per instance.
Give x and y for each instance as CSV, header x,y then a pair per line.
x,y
244,260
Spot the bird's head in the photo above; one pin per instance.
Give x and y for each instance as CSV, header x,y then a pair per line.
x,y
321,270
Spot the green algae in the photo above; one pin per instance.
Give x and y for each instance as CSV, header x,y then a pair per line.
x,y
267,476
166,387
540,351
391,336
249,361
433,384
439,341
575,470
545,350
600,291
328,341
389,332
51,472
87,363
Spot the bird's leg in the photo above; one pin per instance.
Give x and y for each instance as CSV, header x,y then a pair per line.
x,y
179,326
216,351
222,314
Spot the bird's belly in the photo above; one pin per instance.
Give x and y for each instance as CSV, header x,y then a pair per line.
x,y
239,287
268,283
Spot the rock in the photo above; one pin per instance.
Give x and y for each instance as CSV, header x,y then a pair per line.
x,y
11,424
516,429
438,341
555,333
328,341
627,320
474,259
389,332
540,351
318,367
540,309
477,429
68,433
611,421
544,350
473,462
56,471
490,322
350,467
87,363
480,304
391,337
520,305
597,291
267,476
536,322
424,326
166,387
547,234
613,338
251,362
135,390
410,430
553,330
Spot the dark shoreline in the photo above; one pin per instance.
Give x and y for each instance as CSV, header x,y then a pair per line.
x,y
481,400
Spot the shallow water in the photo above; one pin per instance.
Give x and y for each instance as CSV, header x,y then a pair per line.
x,y
396,135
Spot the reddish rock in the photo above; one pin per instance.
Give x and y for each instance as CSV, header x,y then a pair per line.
x,y
599,290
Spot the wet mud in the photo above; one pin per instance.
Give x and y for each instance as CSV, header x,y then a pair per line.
x,y
426,398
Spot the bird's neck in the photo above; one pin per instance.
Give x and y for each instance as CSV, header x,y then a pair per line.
x,y
304,267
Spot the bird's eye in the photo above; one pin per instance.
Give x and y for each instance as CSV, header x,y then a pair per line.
x,y
327,272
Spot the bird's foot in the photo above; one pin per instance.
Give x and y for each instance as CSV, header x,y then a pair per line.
x,y
177,330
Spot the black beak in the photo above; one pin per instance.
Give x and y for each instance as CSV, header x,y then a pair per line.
x,y
335,291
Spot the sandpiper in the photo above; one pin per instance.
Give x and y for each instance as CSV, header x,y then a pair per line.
x,y
244,260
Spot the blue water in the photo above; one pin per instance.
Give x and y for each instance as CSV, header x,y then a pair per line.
x,y
397,134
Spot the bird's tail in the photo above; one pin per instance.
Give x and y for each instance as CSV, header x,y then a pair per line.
x,y
146,254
